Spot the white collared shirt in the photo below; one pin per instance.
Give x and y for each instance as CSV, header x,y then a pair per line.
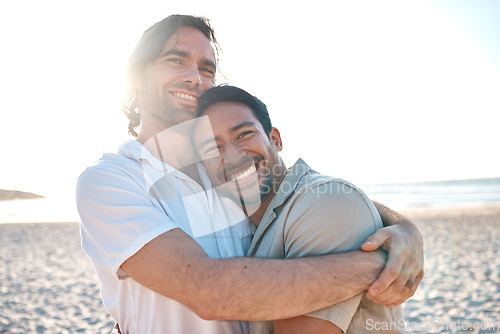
x,y
129,198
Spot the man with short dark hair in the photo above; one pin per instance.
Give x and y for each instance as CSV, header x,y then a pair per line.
x,y
297,211
168,251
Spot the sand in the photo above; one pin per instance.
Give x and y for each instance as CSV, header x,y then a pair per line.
x,y
461,287
47,284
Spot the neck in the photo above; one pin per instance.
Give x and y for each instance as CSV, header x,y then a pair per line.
x,y
257,216
171,145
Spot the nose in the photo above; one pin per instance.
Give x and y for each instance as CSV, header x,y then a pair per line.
x,y
192,76
232,154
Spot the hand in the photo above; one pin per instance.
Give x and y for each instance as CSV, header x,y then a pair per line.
x,y
403,271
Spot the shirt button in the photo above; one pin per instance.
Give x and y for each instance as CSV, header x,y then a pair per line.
x,y
226,253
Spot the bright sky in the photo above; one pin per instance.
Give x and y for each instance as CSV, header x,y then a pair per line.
x,y
369,91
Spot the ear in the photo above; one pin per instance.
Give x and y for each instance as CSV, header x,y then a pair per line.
x,y
276,139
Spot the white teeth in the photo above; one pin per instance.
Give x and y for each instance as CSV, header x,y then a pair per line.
x,y
186,96
243,175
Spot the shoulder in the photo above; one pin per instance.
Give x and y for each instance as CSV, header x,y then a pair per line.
x,y
327,214
111,164
318,187
329,199
112,173
125,161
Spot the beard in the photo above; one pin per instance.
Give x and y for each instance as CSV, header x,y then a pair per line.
x,y
251,193
163,107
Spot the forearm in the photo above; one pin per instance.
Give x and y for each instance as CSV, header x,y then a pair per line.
x,y
393,218
266,289
175,266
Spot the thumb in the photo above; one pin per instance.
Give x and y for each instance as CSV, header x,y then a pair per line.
x,y
376,240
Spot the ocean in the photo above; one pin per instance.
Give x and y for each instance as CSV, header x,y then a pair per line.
x,y
42,210
449,194
397,196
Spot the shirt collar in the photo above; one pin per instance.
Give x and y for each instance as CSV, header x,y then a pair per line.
x,y
285,190
289,183
136,151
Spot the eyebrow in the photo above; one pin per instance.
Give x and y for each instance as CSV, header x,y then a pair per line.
x,y
184,54
242,125
174,52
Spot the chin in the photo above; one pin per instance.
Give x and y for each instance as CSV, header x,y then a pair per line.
x,y
248,198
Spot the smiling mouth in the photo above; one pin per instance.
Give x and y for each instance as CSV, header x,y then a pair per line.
x,y
185,96
240,176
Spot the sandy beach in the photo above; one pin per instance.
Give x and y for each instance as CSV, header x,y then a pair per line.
x,y
48,285
460,292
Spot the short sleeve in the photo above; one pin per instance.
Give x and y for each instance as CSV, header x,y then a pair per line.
x,y
117,217
330,217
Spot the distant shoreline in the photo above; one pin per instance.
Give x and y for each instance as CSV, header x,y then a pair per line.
x,y
10,195
452,211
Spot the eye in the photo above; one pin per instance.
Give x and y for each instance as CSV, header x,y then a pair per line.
x,y
212,150
245,134
174,60
207,70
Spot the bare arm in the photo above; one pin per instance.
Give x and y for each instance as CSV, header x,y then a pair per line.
x,y
404,269
175,266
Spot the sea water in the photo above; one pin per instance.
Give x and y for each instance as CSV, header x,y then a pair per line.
x,y
453,193
400,196
42,210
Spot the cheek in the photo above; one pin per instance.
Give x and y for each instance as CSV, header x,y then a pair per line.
x,y
207,83
266,152
212,167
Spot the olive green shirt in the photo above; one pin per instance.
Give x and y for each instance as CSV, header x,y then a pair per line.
x,y
313,214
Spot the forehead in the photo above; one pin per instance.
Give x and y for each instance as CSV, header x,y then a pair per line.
x,y
192,41
226,115
220,120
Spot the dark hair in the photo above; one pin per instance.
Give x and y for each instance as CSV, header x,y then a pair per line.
x,y
226,93
149,48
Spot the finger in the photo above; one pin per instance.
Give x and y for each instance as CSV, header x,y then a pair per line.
x,y
420,277
407,293
410,288
376,240
406,278
416,282
389,274
410,285
396,291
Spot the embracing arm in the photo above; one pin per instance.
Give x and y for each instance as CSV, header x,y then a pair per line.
x,y
111,204
175,266
404,269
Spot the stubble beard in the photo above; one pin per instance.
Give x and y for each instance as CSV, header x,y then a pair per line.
x,y
169,116
163,110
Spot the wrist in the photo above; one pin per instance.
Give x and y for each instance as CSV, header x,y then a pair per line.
x,y
373,264
409,228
